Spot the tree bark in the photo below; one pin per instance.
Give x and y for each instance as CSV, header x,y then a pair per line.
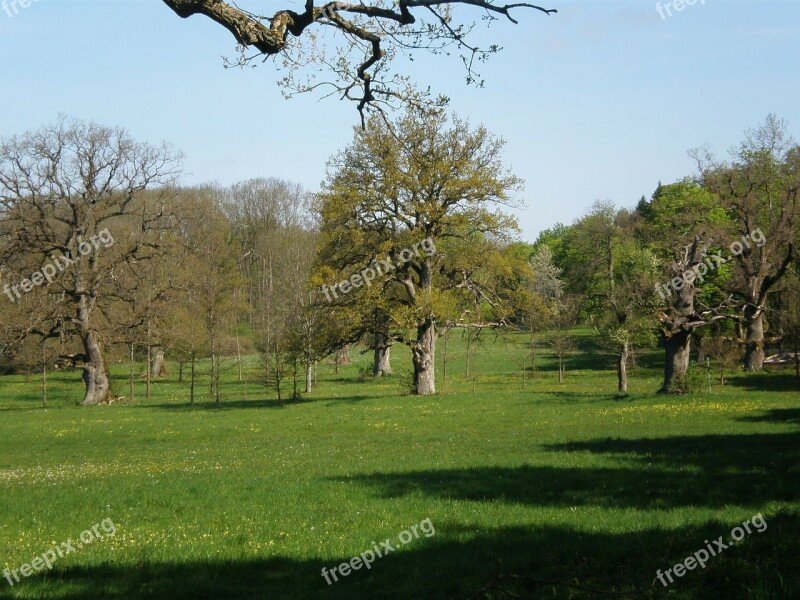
x,y
44,374
95,375
149,362
444,362
622,368
308,376
423,354
382,360
677,352
191,393
130,378
468,354
343,355
157,364
754,339
701,355
381,363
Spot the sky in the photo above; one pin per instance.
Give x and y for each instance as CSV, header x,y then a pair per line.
x,y
599,102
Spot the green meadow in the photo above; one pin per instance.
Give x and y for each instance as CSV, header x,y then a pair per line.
x,y
551,490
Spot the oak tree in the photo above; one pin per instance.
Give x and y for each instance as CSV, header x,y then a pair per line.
x,y
357,64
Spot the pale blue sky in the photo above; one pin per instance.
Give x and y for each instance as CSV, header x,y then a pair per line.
x,y
598,102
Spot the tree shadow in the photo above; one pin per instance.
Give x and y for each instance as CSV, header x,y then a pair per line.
x,y
776,415
711,470
210,405
746,454
765,382
458,561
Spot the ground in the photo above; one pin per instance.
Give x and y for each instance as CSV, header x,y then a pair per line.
x,y
571,486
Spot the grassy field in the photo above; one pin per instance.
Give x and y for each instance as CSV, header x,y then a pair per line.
x,y
575,489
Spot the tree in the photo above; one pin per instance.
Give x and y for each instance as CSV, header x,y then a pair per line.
x,y
724,351
213,252
424,198
759,188
615,279
679,226
71,196
546,292
369,36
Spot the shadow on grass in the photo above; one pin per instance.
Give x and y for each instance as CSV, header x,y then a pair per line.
x,y
765,382
239,404
458,562
711,471
776,415
745,454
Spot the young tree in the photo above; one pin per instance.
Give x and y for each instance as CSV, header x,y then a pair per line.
x,y
546,292
71,195
615,279
724,351
211,254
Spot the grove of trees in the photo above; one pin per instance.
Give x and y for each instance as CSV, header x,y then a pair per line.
x,y
106,257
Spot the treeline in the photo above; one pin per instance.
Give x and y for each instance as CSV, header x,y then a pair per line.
x,y
106,257
711,259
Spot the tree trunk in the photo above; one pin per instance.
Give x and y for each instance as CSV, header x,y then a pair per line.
x,y
95,376
130,379
423,354
444,362
157,365
213,347
149,371
180,371
343,355
677,352
701,355
754,339
44,374
469,353
382,361
238,351
295,395
309,362
622,368
191,393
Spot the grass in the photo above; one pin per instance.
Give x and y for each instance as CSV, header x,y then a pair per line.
x,y
571,485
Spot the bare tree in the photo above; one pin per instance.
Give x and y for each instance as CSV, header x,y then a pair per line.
x,y
724,351
370,35
71,196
